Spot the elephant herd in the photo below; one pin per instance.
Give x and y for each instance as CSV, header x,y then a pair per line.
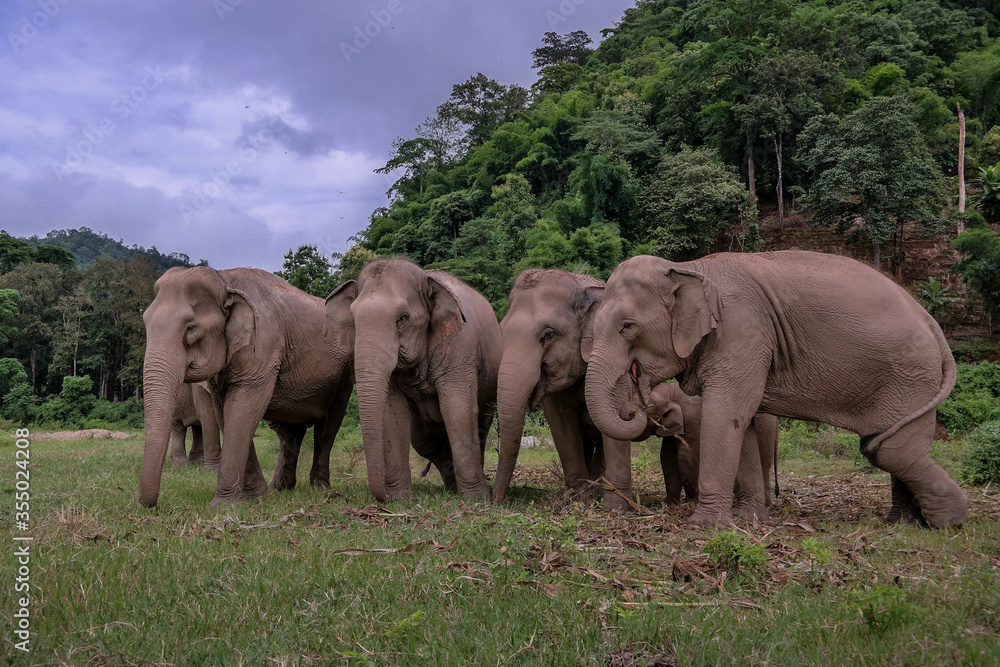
x,y
748,337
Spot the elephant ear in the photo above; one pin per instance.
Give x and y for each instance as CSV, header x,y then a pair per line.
x,y
586,307
241,322
696,309
447,318
339,320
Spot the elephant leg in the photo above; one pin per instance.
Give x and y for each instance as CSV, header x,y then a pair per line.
x,y
208,413
243,409
290,438
436,448
670,465
904,505
461,421
178,447
564,423
594,457
726,415
749,487
254,484
905,455
197,453
324,436
397,428
618,472
688,461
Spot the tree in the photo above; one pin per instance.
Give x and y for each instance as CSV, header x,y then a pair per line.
x,y
980,266
573,48
14,252
8,311
482,105
872,169
53,254
690,198
308,270
349,264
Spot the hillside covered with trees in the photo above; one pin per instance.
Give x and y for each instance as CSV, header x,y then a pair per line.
x,y
669,137
686,121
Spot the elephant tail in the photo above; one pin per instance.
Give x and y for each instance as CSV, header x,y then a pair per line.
x,y
870,443
777,491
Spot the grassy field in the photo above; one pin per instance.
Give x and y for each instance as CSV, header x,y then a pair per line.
x,y
327,577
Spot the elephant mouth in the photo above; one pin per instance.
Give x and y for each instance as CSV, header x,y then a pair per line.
x,y
537,394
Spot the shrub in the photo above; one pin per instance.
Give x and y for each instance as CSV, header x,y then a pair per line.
x,y
72,405
732,552
884,607
981,462
975,399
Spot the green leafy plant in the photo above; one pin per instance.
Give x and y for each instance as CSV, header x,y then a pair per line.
x,y
936,297
981,462
884,607
975,399
989,200
732,552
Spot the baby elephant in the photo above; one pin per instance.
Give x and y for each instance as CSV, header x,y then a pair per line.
x,y
676,417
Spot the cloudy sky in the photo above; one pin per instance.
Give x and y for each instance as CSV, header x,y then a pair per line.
x,y
234,130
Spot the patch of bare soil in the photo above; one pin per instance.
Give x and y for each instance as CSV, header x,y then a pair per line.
x,y
86,434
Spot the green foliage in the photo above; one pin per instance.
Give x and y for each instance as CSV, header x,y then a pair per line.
x,y
691,198
936,297
980,462
873,167
975,399
980,266
988,201
115,414
989,147
573,48
732,552
72,405
84,245
884,608
308,270
19,404
12,374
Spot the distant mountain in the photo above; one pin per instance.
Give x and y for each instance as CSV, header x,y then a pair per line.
x,y
87,245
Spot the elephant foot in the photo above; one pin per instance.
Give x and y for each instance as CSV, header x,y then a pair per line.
x,y
212,466
319,482
753,515
178,462
613,502
283,481
255,490
220,501
196,460
707,518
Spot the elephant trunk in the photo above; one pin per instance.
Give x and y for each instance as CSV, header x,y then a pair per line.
x,y
609,393
162,376
374,363
516,384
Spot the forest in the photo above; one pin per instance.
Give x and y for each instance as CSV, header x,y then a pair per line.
x,y
692,127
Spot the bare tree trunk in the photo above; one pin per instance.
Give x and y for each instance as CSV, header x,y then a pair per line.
x,y
751,174
781,185
961,166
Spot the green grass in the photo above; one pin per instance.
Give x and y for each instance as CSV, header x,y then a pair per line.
x,y
328,577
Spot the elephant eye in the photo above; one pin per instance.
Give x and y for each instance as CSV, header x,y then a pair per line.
x,y
403,320
628,329
547,335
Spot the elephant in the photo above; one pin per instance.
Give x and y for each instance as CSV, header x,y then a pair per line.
x,y
549,314
791,333
267,350
195,409
426,358
676,417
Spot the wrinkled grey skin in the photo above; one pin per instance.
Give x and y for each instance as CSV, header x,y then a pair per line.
x,y
794,334
550,313
677,419
267,350
196,409
426,358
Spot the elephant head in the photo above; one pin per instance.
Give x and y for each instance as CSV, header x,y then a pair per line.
x,y
550,314
194,326
653,318
400,314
